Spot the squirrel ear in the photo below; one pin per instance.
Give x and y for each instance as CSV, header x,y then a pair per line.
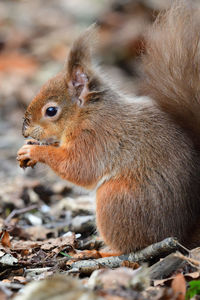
x,y
79,65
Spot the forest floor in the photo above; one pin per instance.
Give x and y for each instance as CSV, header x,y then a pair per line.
x,y
48,226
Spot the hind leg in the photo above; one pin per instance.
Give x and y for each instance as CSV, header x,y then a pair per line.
x,y
120,221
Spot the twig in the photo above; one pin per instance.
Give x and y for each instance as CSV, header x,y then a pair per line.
x,y
18,212
193,262
155,250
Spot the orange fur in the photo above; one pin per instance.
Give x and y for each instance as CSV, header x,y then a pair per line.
x,y
141,155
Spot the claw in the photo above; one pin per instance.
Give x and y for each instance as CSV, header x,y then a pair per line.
x,y
32,142
23,163
31,163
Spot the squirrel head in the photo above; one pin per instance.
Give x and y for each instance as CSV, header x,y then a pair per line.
x,y
66,95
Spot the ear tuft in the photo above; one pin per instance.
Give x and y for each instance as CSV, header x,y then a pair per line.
x,y
81,51
79,65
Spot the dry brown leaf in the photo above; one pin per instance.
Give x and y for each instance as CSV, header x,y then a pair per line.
x,y
179,286
25,245
193,275
108,253
129,264
25,252
20,279
5,239
112,279
58,244
86,254
162,282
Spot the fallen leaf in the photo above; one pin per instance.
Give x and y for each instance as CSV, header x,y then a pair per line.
x,y
179,286
25,252
25,245
129,264
8,260
193,275
86,254
126,277
58,244
19,279
162,282
5,239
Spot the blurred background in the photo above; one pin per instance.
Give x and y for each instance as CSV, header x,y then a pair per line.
x,y
35,38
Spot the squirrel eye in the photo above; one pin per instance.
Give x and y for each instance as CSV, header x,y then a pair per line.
x,y
51,111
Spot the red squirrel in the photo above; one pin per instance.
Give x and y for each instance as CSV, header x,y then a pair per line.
x,y
141,155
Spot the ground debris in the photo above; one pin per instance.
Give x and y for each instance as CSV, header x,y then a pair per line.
x,y
47,227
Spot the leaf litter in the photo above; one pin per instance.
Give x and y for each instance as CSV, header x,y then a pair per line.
x,y
47,227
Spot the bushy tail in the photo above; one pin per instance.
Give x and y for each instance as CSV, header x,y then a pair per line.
x,y
172,64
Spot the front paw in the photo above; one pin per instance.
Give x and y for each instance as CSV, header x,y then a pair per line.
x,y
26,156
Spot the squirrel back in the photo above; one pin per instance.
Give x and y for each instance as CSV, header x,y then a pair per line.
x,y
171,65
